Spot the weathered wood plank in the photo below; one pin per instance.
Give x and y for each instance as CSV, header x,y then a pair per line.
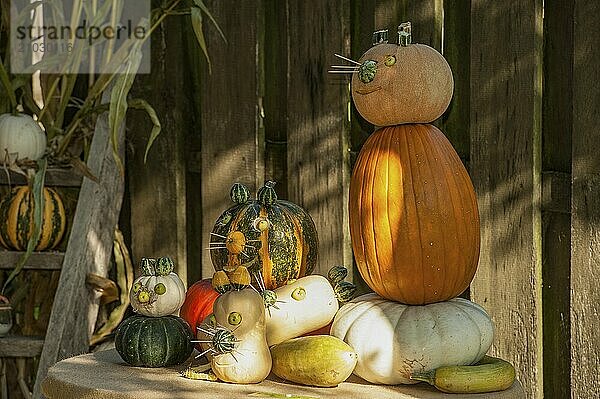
x,y
157,188
194,58
505,168
66,177
275,94
232,149
556,192
362,23
37,260
387,14
427,18
585,219
88,251
21,346
457,38
318,128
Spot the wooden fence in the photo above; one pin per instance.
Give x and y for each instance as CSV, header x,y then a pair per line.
x,y
524,119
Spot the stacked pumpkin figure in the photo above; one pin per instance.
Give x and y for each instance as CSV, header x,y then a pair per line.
x,y
155,337
414,226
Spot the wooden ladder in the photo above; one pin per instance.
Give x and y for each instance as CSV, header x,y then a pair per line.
x,y
88,251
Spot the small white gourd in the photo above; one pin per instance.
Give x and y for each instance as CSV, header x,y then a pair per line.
x,y
20,135
159,291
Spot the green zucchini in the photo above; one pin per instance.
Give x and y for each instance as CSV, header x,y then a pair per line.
x,y
489,375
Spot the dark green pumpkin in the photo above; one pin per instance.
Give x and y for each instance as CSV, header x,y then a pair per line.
x,y
280,237
154,341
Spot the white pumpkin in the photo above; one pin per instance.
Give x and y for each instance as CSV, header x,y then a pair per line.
x,y
159,291
394,340
21,135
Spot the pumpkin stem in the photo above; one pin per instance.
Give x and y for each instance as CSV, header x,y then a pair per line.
x,y
404,34
164,266
239,193
267,195
148,266
426,376
380,36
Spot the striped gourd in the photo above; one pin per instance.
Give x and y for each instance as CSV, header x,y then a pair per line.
x,y
278,238
16,219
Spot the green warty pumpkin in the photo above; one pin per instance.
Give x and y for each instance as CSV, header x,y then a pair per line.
x,y
154,341
278,238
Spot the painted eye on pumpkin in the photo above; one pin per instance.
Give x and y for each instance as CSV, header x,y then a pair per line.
x,y
144,296
261,224
136,287
160,288
367,71
299,294
234,318
390,60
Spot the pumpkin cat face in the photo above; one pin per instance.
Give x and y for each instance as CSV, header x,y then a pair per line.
x,y
398,84
239,311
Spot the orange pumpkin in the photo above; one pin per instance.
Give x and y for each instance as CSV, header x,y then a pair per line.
x,y
402,83
414,221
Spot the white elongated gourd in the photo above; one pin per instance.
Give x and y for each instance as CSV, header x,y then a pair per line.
x,y
394,340
21,135
244,357
302,306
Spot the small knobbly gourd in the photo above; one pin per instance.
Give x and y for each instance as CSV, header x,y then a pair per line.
x,y
158,291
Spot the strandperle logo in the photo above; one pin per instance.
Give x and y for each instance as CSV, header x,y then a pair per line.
x,y
89,33
78,36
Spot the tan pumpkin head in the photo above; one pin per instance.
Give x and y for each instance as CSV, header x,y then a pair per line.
x,y
402,83
414,221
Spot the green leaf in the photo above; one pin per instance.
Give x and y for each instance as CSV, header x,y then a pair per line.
x,y
38,212
139,103
7,85
200,4
118,98
197,25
